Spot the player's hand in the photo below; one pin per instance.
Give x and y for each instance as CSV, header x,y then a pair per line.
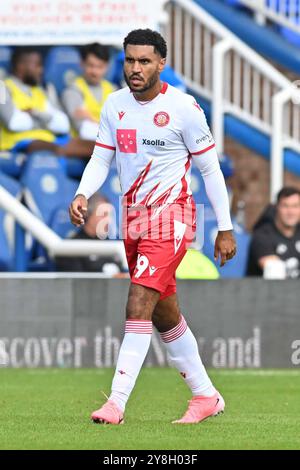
x,y
78,210
225,246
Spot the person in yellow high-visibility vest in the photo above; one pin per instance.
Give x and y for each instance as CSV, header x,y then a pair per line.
x,y
26,113
28,120
85,97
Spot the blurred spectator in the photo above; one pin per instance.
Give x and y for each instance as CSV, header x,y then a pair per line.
x,y
95,228
275,246
268,216
28,120
84,99
196,265
27,113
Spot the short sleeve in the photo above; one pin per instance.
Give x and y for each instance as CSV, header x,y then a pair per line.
x,y
195,131
105,139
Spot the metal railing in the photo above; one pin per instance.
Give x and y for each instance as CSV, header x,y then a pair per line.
x,y
55,245
282,12
238,81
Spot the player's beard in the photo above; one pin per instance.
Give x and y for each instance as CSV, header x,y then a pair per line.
x,y
148,85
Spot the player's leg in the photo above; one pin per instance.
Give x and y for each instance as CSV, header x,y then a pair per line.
x,y
136,342
181,346
152,263
135,345
166,314
183,354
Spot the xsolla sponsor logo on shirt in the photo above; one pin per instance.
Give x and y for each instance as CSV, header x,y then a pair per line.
x,y
156,142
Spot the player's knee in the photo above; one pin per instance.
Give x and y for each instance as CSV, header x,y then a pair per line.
x,y
141,302
164,319
165,324
166,314
137,311
156,320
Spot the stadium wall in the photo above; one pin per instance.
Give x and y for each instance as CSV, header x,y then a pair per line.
x,y
78,322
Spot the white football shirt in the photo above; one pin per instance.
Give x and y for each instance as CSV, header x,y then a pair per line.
x,y
153,143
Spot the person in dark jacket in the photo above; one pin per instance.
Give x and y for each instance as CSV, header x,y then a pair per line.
x,y
277,236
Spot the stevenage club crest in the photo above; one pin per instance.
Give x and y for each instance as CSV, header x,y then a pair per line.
x,y
161,119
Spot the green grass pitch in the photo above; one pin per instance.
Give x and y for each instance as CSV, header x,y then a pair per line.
x,y
50,409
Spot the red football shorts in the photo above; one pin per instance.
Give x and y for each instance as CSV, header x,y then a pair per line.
x,y
156,239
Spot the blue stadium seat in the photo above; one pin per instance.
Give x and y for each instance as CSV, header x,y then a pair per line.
x,y
62,64
5,55
61,224
75,167
12,163
115,70
43,179
46,188
6,250
235,268
234,3
69,190
170,76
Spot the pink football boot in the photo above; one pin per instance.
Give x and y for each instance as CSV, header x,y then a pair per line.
x,y
109,413
201,407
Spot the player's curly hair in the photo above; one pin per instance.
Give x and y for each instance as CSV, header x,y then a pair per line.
x,y
147,37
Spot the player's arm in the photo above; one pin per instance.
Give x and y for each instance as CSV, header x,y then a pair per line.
x,y
208,164
13,118
80,117
95,172
200,143
93,177
53,119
